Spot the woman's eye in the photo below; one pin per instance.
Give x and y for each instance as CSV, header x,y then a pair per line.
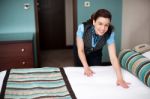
x,y
106,25
100,24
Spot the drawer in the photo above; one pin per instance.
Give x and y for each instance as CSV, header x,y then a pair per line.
x,y
16,49
16,55
17,63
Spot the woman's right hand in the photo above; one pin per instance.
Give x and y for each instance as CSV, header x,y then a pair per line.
x,y
88,72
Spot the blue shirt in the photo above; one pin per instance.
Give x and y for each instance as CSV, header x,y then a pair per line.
x,y
80,33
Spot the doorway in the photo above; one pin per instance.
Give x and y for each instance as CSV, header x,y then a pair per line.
x,y
51,24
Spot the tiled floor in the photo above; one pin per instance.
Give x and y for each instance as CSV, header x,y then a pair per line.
x,y
57,58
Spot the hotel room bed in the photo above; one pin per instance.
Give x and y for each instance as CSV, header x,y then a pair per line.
x,y
70,83
101,86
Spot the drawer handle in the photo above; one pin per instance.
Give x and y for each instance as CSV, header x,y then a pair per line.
x,y
23,62
22,50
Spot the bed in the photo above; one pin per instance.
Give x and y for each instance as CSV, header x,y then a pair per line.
x,y
70,83
101,85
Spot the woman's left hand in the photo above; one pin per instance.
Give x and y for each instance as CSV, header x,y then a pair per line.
x,y
122,83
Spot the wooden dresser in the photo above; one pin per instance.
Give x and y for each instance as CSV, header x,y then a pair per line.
x,y
16,54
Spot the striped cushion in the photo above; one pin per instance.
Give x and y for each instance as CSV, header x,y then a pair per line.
x,y
137,64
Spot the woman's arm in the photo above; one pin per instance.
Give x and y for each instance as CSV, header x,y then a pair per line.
x,y
81,54
116,65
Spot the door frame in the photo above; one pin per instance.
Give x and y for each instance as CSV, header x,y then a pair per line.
x,y
74,20
37,56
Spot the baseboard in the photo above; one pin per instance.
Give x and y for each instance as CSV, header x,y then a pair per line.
x,y
69,46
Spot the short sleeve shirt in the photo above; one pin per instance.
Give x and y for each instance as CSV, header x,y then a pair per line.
x,y
80,33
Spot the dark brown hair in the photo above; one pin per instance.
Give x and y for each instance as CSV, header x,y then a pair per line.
x,y
102,13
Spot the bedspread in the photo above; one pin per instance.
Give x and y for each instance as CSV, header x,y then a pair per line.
x,y
47,82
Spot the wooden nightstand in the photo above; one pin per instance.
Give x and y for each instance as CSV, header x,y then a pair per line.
x,y
16,54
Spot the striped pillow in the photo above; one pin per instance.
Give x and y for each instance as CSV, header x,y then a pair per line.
x,y
137,64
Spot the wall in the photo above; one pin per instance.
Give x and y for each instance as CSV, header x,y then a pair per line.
x,y
114,6
136,23
16,23
14,18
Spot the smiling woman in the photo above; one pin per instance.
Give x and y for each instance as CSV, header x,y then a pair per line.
x,y
94,34
91,37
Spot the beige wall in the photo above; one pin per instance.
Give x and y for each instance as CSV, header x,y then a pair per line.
x,y
69,22
135,23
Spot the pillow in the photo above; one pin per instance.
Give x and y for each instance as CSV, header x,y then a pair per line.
x,y
147,54
136,64
141,48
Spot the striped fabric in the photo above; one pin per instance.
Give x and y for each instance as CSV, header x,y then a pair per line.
x,y
37,83
137,64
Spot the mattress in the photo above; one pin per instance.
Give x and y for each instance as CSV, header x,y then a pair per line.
x,y
2,75
102,84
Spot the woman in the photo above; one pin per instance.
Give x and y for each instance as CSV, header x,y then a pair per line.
x,y
91,37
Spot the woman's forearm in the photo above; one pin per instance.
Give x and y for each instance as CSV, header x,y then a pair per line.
x,y
82,58
114,61
116,65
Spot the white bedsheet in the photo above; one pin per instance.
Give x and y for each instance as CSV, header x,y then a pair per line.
x,y
2,75
103,84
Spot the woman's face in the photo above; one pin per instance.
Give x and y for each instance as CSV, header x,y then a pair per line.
x,y
101,25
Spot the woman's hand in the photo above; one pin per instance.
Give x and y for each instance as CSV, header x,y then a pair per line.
x,y
122,83
88,72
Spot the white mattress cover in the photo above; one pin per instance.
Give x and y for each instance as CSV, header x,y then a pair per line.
x,y
2,75
103,84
